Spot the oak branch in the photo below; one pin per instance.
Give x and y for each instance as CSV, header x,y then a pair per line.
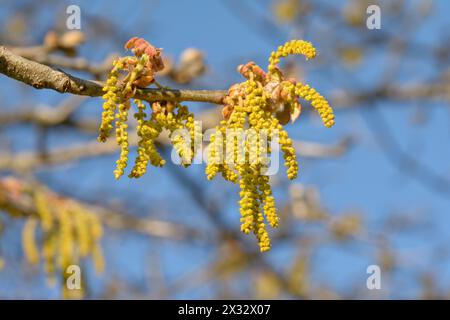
x,y
41,76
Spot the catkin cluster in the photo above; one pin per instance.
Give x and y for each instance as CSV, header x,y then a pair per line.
x,y
240,149
69,233
184,131
127,76
254,114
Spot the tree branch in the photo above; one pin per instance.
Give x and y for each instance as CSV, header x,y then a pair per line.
x,y
40,76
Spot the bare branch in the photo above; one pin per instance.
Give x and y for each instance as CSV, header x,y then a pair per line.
x,y
43,115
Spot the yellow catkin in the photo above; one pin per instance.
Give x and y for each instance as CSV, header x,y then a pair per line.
x,y
97,258
89,235
43,211
81,226
268,200
318,102
148,131
146,146
96,234
292,47
96,228
215,154
191,144
182,150
69,232
261,233
196,136
122,138
248,203
29,245
181,132
290,158
49,252
66,243
111,99
250,126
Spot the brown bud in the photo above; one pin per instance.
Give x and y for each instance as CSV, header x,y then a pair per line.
x,y
71,39
144,81
235,91
170,106
155,61
252,67
51,40
283,115
227,111
156,107
168,66
274,89
191,66
130,43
